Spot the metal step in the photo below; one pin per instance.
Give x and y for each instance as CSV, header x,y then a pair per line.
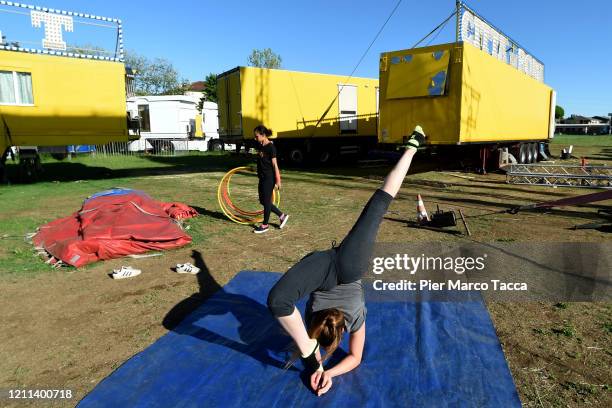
x,y
560,175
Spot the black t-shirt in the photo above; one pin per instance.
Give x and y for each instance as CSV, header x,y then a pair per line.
x,y
266,153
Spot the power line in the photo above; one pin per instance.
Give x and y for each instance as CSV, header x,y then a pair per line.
x,y
357,66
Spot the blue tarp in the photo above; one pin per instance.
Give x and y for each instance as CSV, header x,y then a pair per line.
x,y
114,191
229,352
81,148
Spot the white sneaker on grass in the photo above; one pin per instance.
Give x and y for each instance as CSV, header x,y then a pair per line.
x,y
187,268
125,272
283,220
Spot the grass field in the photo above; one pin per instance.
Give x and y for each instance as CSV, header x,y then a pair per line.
x,y
69,328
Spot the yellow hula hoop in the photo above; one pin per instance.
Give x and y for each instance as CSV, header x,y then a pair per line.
x,y
233,212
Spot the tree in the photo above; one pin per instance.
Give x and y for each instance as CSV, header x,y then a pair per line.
x,y
559,112
155,77
210,90
265,58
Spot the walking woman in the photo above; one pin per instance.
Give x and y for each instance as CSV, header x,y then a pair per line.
x,y
332,280
269,176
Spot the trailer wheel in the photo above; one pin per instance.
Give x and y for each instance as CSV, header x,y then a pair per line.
x,y
522,154
215,146
529,153
534,152
296,156
324,157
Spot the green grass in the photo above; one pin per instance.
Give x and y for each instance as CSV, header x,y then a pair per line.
x,y
578,140
65,184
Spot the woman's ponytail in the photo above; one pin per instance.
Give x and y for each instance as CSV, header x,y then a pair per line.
x,y
327,326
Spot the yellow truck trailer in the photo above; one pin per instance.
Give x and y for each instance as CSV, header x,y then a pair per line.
x,y
461,95
483,91
295,106
54,97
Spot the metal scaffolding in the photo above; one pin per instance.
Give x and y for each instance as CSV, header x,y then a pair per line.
x,y
560,176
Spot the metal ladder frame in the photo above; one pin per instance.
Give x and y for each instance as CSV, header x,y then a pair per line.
x,y
560,176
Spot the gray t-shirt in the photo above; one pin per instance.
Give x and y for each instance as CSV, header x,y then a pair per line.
x,y
348,298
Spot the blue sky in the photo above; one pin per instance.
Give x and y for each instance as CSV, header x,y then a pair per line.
x,y
574,40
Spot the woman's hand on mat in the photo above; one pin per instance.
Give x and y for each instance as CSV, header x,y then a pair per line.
x,y
278,185
321,382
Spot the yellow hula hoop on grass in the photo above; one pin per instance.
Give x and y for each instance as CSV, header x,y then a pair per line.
x,y
232,211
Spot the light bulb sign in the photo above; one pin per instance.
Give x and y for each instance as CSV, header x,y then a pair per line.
x,y
475,30
55,24
53,28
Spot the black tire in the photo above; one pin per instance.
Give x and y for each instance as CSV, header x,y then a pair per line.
x,y
296,156
529,152
522,154
28,170
324,156
215,146
535,152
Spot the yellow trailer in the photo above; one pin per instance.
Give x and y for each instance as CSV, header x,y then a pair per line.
x,y
295,106
460,94
59,95
55,100
482,91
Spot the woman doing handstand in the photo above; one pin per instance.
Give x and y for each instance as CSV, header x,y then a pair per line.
x,y
332,280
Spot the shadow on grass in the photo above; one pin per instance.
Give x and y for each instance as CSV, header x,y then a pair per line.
x,y
159,165
132,166
261,337
208,213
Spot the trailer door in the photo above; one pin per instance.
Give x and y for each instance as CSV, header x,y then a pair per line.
x,y
230,106
235,105
347,107
222,104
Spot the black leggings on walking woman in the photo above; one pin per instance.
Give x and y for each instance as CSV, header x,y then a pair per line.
x,y
323,270
265,189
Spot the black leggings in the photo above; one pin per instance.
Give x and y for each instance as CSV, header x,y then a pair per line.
x,y
265,189
353,254
324,270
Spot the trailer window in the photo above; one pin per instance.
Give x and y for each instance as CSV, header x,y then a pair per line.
x,y
16,88
145,121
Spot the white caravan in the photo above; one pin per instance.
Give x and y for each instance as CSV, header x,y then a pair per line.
x,y
168,123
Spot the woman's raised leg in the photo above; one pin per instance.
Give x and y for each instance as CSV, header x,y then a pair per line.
x,y
355,250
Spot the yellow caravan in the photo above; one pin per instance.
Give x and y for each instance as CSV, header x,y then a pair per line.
x,y
311,115
56,96
484,91
54,100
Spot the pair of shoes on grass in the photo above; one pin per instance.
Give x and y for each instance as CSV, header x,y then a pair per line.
x,y
128,272
264,228
125,272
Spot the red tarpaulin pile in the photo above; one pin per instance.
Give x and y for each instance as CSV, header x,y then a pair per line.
x,y
112,224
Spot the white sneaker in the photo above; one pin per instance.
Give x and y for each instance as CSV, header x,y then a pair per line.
x,y
125,272
283,220
187,268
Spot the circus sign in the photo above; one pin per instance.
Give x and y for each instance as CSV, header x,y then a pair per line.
x,y
475,30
